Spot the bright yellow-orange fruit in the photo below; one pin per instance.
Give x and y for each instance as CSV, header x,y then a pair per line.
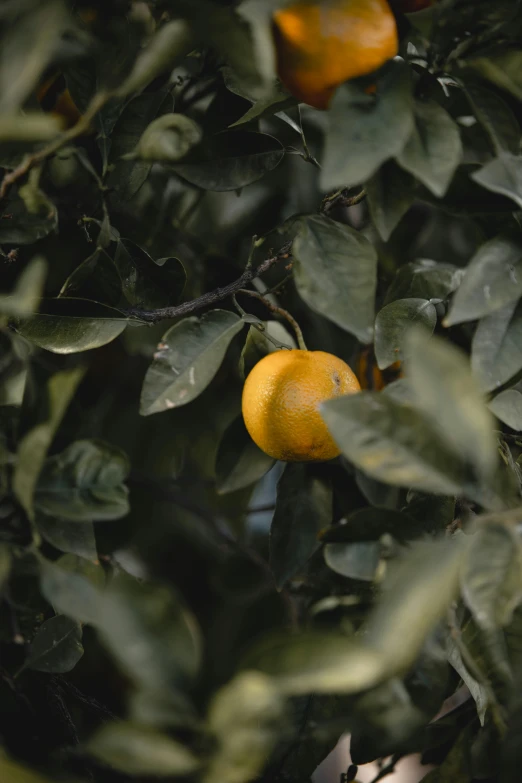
x,y
281,399
322,43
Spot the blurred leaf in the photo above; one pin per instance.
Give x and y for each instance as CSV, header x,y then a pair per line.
x,y
393,323
231,160
257,344
84,483
366,130
164,708
171,42
150,634
424,279
139,750
69,325
370,524
73,592
33,447
446,392
503,175
26,295
239,462
393,443
495,116
28,127
148,284
477,690
493,279
5,565
246,717
18,226
67,536
303,508
188,356
433,151
432,513
390,192
356,561
502,69
496,349
507,406
15,773
168,139
57,647
492,575
332,257
454,768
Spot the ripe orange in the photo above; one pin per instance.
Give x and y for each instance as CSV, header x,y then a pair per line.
x,y
281,399
322,43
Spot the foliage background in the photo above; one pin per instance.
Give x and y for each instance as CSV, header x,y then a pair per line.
x,y
149,626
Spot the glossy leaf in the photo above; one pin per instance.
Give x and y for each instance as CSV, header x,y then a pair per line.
x,y
496,349
393,323
390,193
507,406
303,508
493,279
239,462
366,130
57,646
188,357
424,279
84,483
148,284
331,256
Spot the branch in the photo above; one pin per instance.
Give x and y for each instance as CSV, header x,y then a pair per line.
x,y
153,316
342,198
279,311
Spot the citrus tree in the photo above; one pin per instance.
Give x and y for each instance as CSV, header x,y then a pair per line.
x,y
309,214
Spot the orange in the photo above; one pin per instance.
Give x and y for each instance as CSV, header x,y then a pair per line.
x,y
281,400
322,43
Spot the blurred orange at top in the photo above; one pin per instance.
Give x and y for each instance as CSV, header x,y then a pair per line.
x,y
320,45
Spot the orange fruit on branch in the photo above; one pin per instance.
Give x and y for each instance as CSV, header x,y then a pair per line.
x,y
322,43
281,400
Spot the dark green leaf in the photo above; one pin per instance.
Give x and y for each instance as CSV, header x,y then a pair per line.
x,y
503,175
162,708
84,483
96,278
390,193
20,227
26,295
333,257
5,565
67,536
478,691
366,130
259,343
495,116
424,279
502,69
232,160
188,357
57,646
371,523
493,279
356,561
139,750
73,587
168,139
303,508
147,284
393,323
16,773
275,101
433,151
239,462
496,349
507,406
68,325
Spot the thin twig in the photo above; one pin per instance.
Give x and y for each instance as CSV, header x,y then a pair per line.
x,y
342,198
279,310
153,316
83,125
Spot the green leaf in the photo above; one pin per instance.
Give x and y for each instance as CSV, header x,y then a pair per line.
x,y
434,150
455,767
246,717
96,278
188,356
162,708
496,349
20,227
332,257
493,279
57,647
231,160
507,406
502,175
5,565
73,587
366,130
356,561
149,632
140,750
84,483
371,523
239,462
393,323
16,773
28,289
424,279
491,578
393,443
68,325
303,508
33,447
390,192
171,42
168,139
503,70
478,691
276,100
28,127
495,116
67,536
259,343
148,284
446,392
